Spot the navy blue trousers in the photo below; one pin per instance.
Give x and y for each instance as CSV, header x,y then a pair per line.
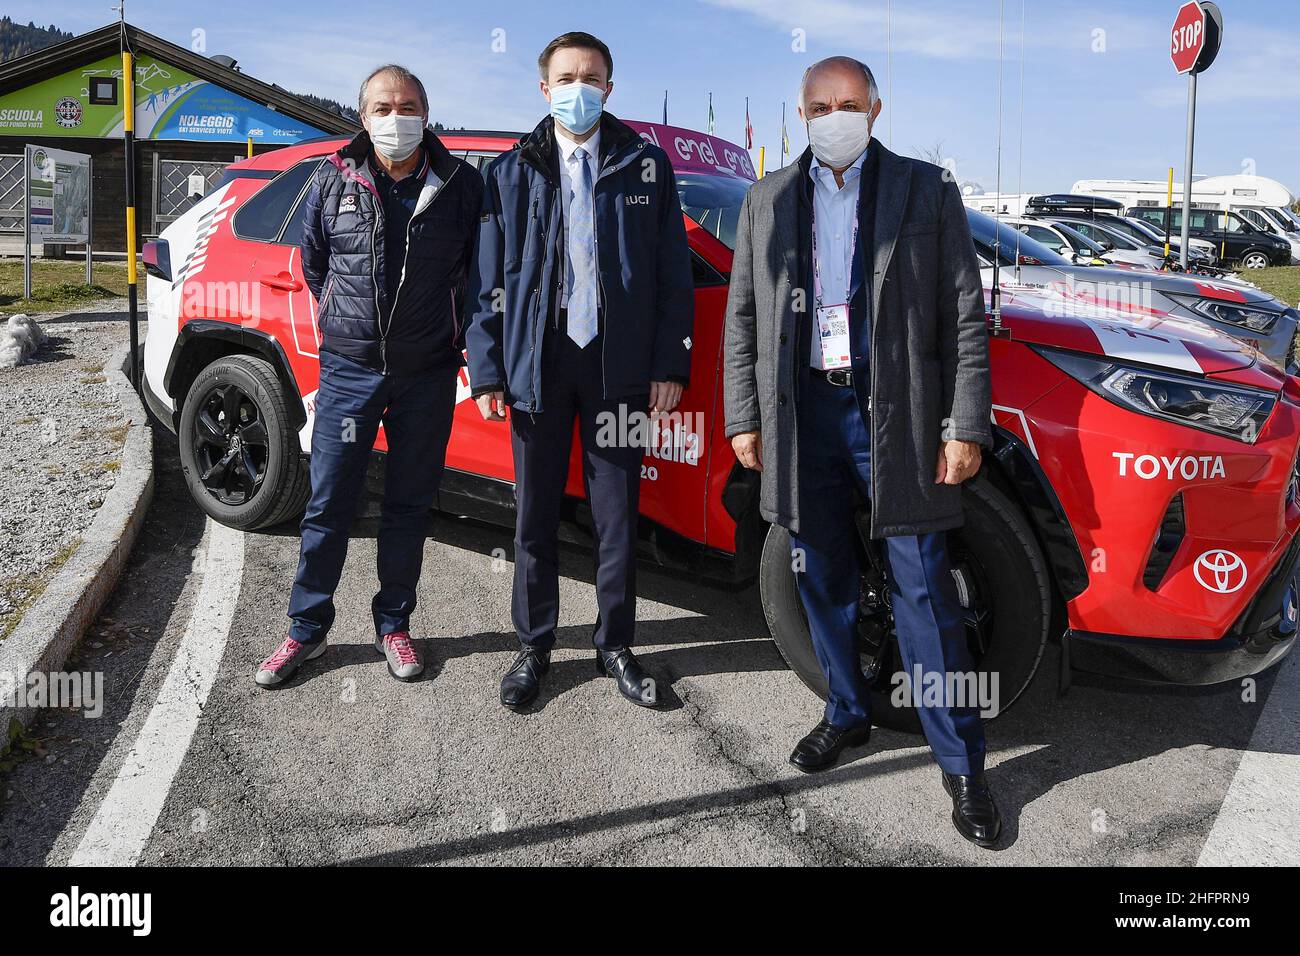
x,y
834,459
416,411
542,443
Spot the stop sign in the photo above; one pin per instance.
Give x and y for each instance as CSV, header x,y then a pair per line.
x,y
1187,37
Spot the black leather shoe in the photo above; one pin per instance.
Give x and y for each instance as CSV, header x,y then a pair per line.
x,y
633,682
974,813
821,748
520,684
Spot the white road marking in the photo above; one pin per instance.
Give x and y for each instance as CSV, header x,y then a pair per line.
x,y
125,819
1259,822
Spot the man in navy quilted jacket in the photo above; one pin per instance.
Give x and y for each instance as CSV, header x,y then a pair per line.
x,y
391,222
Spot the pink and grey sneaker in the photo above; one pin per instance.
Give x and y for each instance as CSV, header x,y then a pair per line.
x,y
403,659
285,661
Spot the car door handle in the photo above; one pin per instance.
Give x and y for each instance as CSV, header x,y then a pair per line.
x,y
283,281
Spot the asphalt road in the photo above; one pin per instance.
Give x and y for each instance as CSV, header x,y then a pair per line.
x,y
190,763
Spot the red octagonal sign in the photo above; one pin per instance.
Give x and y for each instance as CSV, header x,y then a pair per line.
x,y
1188,36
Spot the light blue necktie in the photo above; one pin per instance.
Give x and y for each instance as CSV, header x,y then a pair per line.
x,y
582,255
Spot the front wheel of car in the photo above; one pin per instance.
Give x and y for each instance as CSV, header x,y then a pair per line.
x,y
238,445
1002,584
1254,260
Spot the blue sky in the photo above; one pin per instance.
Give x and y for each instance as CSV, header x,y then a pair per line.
x,y
1100,96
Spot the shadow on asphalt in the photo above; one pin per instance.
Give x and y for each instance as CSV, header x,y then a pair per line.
x,y
45,796
1098,726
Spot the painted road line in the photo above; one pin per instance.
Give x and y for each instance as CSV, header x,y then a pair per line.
x,y
121,826
1259,822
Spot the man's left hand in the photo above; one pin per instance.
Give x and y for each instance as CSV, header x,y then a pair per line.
x,y
664,396
958,460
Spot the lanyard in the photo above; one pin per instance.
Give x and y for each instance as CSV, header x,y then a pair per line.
x,y
817,272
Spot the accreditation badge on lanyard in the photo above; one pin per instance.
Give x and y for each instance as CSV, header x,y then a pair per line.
x,y
832,320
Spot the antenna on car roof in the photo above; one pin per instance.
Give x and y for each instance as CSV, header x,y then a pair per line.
x,y
1020,143
995,295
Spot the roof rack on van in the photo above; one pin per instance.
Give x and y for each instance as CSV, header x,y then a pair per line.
x,y
1058,202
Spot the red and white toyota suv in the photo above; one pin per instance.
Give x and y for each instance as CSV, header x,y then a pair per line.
x,y
1141,504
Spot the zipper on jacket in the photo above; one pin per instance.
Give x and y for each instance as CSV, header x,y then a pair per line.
x,y
374,278
534,310
406,254
329,291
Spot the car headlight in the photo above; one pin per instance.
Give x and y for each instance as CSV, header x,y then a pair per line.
x,y
1234,411
1231,313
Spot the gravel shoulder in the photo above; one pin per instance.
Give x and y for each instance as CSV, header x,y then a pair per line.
x,y
61,434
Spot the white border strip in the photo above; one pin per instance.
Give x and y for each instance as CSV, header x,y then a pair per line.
x,y
125,819
1259,822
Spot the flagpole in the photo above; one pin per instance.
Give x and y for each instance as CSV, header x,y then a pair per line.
x,y
784,141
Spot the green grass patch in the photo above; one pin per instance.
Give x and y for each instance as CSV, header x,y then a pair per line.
x,y
59,284
1280,281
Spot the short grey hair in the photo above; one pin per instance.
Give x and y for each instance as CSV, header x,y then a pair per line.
x,y
397,72
872,88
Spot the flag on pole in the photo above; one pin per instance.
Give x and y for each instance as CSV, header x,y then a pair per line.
x,y
665,107
710,114
749,129
785,137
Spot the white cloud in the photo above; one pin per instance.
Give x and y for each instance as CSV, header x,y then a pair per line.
x,y
467,83
1254,66
942,30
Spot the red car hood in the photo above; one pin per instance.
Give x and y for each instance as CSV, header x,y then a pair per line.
x,y
1156,339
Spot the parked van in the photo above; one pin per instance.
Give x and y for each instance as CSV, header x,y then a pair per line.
x,y
1239,241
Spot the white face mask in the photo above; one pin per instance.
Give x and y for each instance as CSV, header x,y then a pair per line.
x,y
838,139
396,135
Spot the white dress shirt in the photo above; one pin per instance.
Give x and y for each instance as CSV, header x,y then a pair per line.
x,y
835,208
568,164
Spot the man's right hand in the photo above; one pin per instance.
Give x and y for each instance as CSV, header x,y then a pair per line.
x,y
492,406
748,447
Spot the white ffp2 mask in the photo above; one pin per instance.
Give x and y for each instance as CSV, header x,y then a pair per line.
x,y
838,139
396,135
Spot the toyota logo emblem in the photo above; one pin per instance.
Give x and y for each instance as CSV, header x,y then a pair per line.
x,y
1220,571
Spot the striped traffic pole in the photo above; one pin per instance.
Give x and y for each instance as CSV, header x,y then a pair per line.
x,y
128,138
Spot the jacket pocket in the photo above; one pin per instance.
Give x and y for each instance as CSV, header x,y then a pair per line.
x,y
325,298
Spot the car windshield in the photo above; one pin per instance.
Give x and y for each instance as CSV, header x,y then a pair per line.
x,y
986,231
1080,242
1141,226
1116,237
1288,215
713,202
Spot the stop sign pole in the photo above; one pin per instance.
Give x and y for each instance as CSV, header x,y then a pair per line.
x,y
1193,45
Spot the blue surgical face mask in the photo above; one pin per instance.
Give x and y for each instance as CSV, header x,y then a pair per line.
x,y
577,106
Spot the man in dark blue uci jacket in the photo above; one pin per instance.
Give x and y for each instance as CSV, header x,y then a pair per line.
x,y
584,307
391,221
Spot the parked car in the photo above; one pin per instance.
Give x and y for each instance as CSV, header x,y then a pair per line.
x,y
1198,250
1272,222
1233,308
1067,241
1238,241
1108,214
1144,253
1140,500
